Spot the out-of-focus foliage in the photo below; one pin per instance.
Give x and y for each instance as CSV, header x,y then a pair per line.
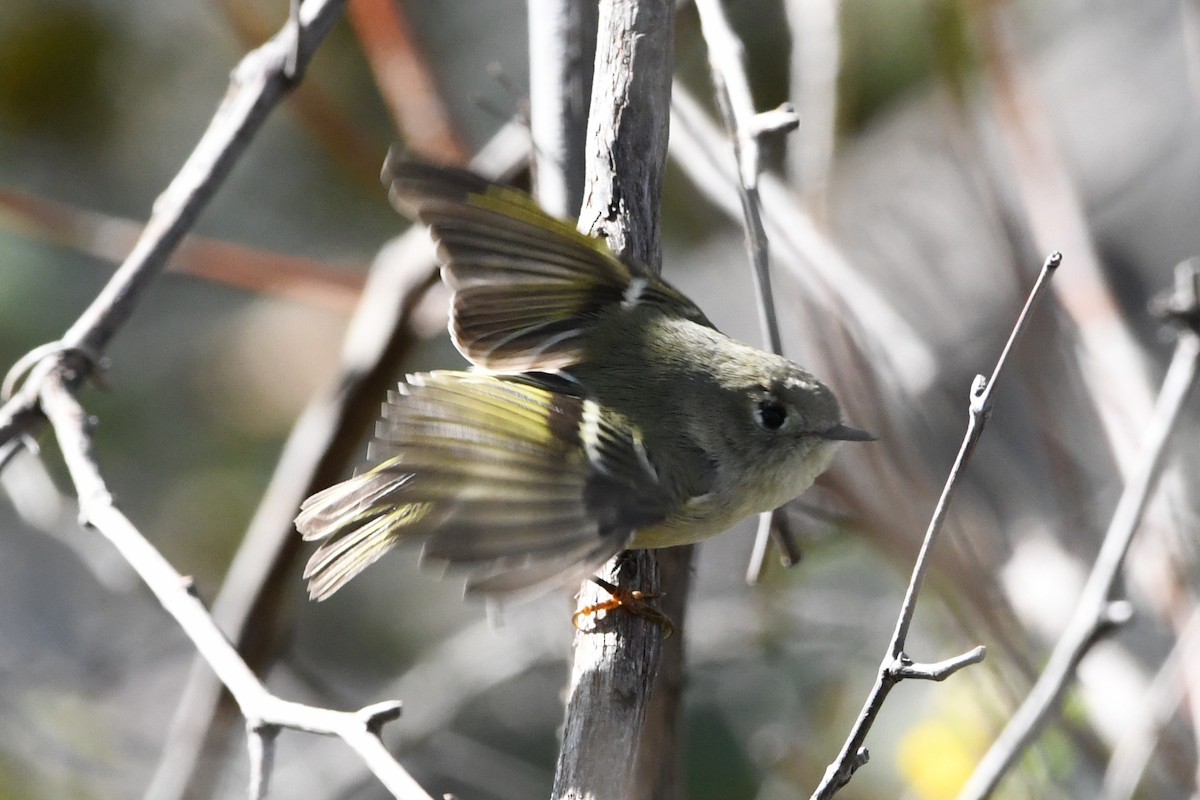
x,y
52,74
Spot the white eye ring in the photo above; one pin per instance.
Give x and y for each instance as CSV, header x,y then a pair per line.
x,y
770,414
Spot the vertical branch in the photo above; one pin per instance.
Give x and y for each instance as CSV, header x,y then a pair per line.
x,y
562,52
726,59
615,667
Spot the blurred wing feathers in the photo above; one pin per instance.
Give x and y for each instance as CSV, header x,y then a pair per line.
x,y
515,482
526,285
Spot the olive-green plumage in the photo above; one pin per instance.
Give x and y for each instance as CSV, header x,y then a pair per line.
x,y
606,413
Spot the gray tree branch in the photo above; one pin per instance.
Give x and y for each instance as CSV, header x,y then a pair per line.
x,y
896,664
615,665
256,87
321,443
263,711
1091,615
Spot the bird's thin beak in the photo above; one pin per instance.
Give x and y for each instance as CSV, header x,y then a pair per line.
x,y
844,433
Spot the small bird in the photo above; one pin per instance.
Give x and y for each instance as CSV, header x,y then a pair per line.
x,y
603,412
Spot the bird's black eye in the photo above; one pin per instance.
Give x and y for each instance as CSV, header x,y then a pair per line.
x,y
770,415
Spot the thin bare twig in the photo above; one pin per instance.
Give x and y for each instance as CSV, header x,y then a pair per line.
x,y
322,441
263,710
700,150
726,61
338,132
1094,601
727,64
896,664
256,86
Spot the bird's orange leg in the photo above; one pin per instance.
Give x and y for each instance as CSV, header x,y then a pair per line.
x,y
634,601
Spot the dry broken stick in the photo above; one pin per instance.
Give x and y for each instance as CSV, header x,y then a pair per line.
x,y
264,712
897,665
1093,614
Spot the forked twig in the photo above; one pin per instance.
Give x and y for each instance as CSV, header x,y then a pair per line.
x,y
897,665
258,83
322,440
726,61
1091,615
264,712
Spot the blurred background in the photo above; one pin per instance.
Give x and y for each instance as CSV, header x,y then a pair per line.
x,y
945,148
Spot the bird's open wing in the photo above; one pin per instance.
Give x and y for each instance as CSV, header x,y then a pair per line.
x,y
520,485
526,285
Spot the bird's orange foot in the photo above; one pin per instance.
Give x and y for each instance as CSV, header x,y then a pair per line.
x,y
634,601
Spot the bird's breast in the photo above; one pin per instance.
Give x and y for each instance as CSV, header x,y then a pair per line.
x,y
735,499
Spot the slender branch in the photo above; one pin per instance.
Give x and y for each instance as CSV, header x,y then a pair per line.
x,y
321,443
896,665
339,134
699,149
360,730
727,63
773,526
1094,603
256,86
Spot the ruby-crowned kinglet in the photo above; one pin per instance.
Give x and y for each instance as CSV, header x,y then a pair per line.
x,y
605,411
